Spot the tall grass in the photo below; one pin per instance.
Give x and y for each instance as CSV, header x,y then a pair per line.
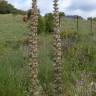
x,y
13,65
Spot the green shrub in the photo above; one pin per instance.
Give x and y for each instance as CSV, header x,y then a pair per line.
x,y
69,39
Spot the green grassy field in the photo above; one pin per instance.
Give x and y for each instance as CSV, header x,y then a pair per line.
x,y
80,56
11,55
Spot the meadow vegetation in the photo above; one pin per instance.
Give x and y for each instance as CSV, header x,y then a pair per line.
x,y
78,55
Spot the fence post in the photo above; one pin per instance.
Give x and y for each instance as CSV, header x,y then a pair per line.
x,y
91,22
77,24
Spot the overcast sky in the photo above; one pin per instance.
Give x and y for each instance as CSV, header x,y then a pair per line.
x,y
85,8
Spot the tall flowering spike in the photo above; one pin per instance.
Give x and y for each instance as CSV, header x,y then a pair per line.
x,y
33,84
58,89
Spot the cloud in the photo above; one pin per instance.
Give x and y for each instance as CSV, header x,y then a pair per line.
x,y
45,6
84,8
84,5
21,4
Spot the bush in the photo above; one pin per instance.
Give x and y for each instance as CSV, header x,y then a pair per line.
x,y
69,39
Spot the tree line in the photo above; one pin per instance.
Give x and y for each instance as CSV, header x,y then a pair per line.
x,y
6,8
45,23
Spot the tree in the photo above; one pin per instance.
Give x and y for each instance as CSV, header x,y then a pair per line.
x,y
61,14
49,23
6,8
41,25
3,7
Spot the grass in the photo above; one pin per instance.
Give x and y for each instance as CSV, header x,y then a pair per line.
x,y
11,55
12,64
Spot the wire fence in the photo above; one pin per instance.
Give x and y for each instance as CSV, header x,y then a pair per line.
x,y
78,74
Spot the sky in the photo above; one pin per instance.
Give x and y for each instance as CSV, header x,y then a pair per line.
x,y
84,8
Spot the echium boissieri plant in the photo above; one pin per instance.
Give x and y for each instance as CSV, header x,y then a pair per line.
x,y
57,66
34,88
